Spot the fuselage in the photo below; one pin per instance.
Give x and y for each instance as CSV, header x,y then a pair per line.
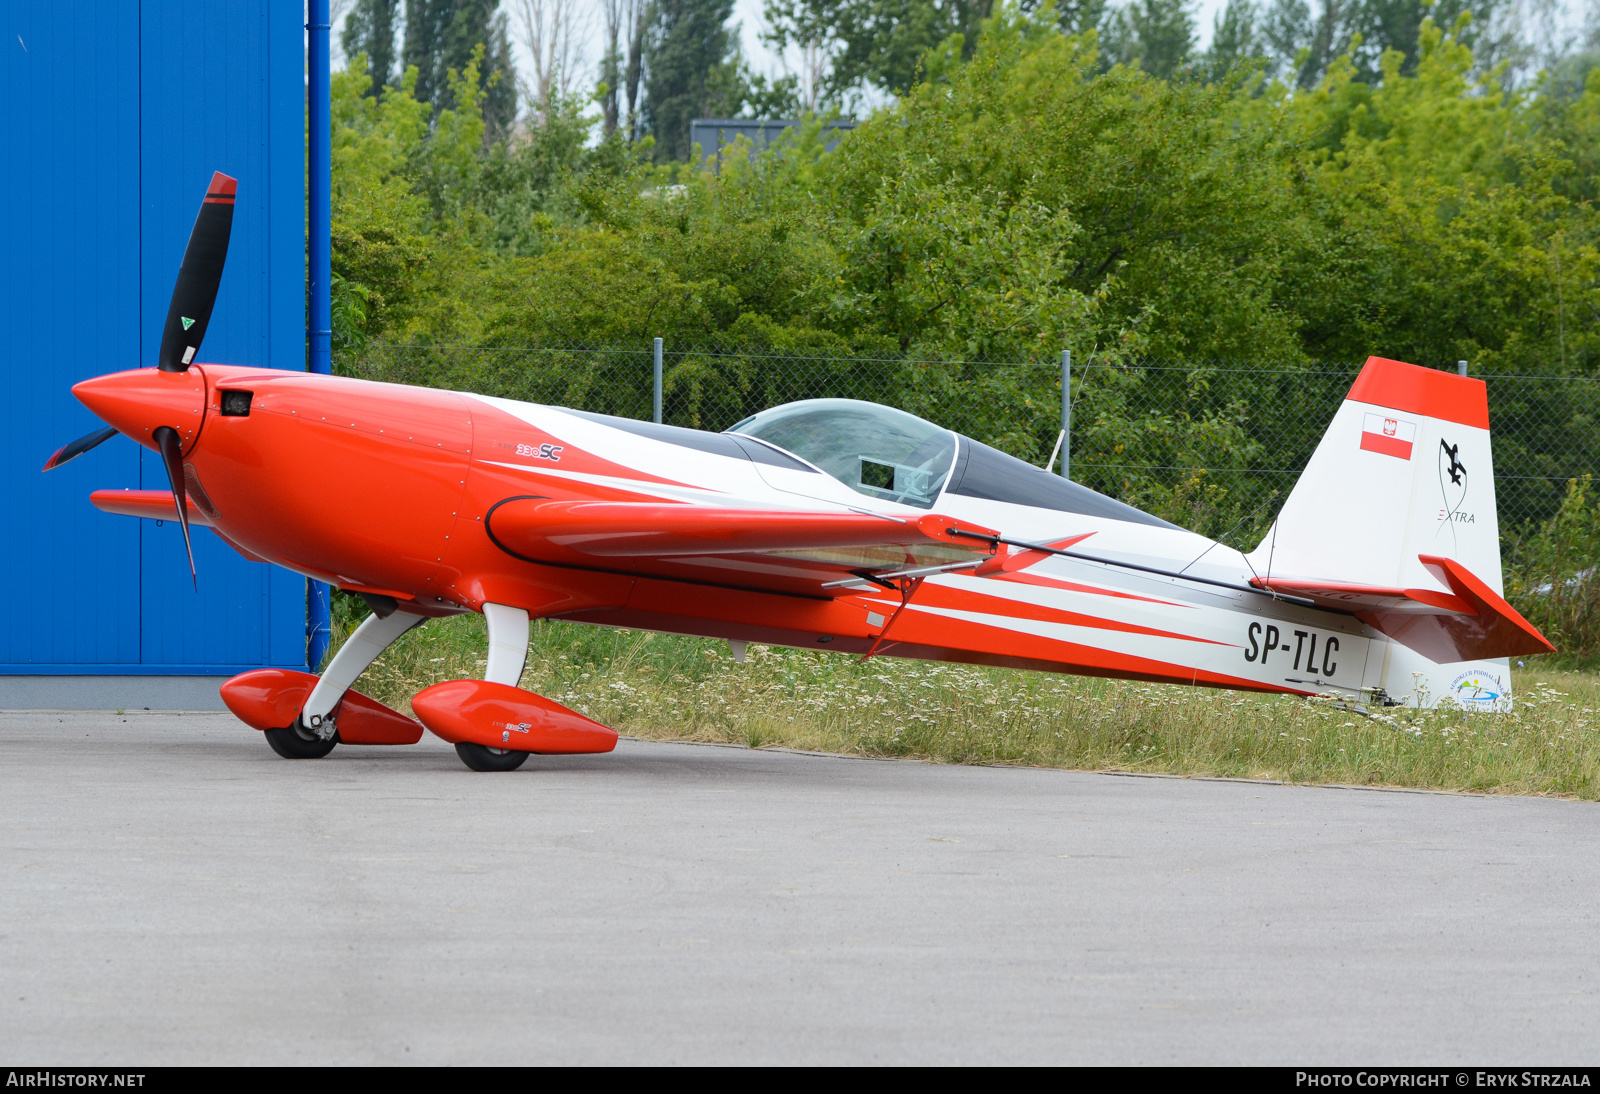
x,y
392,491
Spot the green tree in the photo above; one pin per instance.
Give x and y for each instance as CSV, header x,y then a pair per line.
x,y
691,70
1436,221
1287,29
1305,42
1235,39
877,43
1075,16
379,223
440,37
1159,34
1006,206
369,31
1397,25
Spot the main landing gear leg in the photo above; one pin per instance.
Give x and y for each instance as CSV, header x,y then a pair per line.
x,y
508,644
508,653
313,734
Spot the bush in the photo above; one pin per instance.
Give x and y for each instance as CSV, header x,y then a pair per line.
x,y
1551,574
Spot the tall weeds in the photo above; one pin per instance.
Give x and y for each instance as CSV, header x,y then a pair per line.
x,y
667,687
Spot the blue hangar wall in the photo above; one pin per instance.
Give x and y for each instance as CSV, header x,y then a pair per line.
x,y
117,113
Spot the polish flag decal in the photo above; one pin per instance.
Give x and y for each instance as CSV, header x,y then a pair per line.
x,y
1389,436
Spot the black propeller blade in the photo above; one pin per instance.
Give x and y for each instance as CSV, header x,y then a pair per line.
x,y
198,277
172,455
187,317
78,447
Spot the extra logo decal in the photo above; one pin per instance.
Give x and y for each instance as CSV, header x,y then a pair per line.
x,y
1456,469
1453,482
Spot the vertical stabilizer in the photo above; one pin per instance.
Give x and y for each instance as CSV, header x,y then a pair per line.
x,y
1404,470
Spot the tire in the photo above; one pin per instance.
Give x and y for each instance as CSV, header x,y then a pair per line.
x,y
480,758
296,743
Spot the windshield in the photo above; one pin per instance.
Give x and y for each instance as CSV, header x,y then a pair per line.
x,y
874,450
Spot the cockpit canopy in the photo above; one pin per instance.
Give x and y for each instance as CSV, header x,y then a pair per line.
x,y
875,450
894,456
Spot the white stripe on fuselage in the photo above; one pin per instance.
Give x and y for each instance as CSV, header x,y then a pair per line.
x,y
1218,618
728,480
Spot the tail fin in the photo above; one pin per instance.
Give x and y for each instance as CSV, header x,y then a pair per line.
x,y
1404,471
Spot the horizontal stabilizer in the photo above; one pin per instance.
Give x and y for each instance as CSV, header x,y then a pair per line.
x,y
1470,622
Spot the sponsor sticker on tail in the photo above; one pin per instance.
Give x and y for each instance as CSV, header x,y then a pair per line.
x,y
1480,688
1388,436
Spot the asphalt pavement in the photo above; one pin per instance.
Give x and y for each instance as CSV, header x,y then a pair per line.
x,y
172,892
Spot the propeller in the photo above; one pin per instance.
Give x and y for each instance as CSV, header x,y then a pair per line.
x,y
78,447
198,277
188,315
172,457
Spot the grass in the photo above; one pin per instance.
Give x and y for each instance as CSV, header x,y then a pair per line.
x,y
673,688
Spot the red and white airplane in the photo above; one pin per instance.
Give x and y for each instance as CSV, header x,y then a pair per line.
x,y
828,524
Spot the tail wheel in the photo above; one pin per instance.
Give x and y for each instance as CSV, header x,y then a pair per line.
x,y
481,758
298,743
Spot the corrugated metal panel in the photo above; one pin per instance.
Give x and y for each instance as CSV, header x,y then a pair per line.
x,y
69,309
121,112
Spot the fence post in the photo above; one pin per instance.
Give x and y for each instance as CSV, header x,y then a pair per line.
x,y
1066,412
1461,367
657,418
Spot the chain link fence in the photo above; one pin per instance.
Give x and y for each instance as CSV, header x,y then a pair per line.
x,y
1211,446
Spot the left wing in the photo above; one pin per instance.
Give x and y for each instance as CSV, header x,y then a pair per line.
x,y
152,504
781,550
159,505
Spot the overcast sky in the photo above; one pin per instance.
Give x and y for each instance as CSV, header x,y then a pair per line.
x,y
747,13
